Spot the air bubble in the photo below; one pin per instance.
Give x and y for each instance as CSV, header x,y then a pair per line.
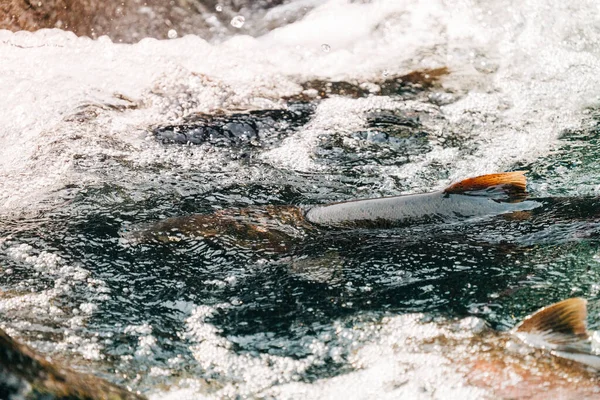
x,y
172,34
238,21
325,47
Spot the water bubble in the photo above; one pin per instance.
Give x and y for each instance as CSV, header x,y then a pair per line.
x,y
325,47
172,34
238,21
219,8
385,72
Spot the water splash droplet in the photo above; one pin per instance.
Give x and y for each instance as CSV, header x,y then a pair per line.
x,y
219,8
385,72
172,34
238,21
325,47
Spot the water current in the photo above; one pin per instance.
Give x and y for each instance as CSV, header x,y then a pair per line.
x,y
99,138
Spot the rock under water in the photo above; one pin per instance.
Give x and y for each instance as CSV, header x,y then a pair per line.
x,y
24,374
253,128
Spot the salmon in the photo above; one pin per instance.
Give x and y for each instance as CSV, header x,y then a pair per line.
x,y
550,354
481,196
561,329
278,227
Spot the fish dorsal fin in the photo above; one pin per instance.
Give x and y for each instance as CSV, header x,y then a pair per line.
x,y
513,183
558,322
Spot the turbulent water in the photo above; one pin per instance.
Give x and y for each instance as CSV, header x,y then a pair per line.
x,y
98,139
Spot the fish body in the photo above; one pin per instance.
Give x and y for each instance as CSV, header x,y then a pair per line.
x,y
484,195
549,355
410,209
590,360
278,227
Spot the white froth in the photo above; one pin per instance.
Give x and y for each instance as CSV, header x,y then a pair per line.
x,y
395,364
332,115
390,359
242,373
524,71
30,312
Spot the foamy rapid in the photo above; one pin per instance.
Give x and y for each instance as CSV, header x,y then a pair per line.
x,y
408,370
52,307
520,72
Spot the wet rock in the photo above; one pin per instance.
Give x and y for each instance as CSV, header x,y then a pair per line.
x,y
394,124
254,128
413,82
27,375
322,89
266,127
130,21
390,137
406,85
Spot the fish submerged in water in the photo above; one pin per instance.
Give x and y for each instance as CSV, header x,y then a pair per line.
x,y
275,227
550,354
561,329
481,196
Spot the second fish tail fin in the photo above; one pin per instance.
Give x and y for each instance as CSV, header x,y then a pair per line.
x,y
559,323
513,184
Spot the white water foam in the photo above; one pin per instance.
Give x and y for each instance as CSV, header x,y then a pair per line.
x,y
523,75
520,71
27,310
390,359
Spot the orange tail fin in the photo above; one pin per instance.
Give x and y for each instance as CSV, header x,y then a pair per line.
x,y
510,182
567,317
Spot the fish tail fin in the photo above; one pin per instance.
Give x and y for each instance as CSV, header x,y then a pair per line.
x,y
564,319
511,183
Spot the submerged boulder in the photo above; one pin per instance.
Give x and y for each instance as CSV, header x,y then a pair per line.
x,y
257,128
24,374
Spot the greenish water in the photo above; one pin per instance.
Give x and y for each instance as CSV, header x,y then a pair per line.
x,y
497,269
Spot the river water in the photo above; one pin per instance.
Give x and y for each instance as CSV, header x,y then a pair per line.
x,y
91,148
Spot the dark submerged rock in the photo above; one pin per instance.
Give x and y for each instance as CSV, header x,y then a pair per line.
x,y
323,89
260,128
413,82
24,374
253,128
390,137
394,124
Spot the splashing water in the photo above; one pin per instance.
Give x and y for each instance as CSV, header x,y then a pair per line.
x,y
238,21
